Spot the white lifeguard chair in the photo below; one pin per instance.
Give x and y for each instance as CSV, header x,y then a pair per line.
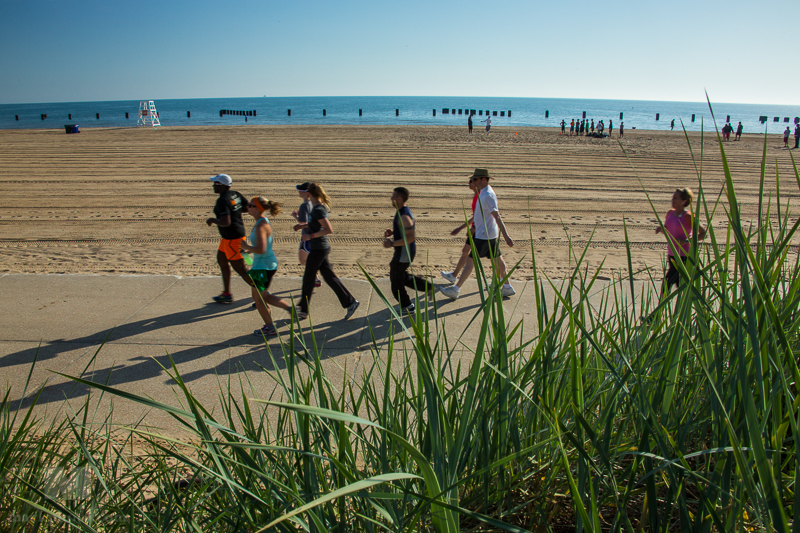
x,y
147,114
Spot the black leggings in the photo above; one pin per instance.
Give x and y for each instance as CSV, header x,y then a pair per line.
x,y
673,276
317,261
400,279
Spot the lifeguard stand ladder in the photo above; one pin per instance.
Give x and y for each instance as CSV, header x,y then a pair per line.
x,y
147,114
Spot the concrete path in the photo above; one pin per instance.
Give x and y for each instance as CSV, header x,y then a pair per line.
x,y
121,330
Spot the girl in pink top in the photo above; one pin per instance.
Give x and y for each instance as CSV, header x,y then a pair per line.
x,y
678,224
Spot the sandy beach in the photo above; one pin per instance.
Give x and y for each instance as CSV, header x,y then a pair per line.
x,y
135,200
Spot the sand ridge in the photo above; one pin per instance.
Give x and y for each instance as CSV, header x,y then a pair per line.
x,y
134,200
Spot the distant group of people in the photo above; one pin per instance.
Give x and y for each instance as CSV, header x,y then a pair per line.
x,y
488,122
585,127
727,129
485,225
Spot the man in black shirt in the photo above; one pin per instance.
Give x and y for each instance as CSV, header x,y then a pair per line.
x,y
228,211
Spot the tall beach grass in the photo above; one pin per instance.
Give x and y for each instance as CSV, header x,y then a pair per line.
x,y
598,423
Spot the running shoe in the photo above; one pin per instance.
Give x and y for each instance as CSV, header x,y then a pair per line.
x,y
224,298
507,291
409,309
449,276
451,291
266,331
299,314
351,309
318,282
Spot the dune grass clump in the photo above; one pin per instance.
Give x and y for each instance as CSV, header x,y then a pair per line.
x,y
598,423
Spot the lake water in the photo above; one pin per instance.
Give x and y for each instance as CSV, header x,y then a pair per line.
x,y
400,110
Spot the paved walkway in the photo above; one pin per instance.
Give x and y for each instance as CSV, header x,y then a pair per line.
x,y
120,329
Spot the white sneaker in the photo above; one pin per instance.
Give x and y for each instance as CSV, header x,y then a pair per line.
x,y
451,291
410,309
449,276
507,290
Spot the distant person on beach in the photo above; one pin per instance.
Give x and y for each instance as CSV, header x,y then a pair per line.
x,y
265,263
571,127
583,123
739,130
301,216
469,123
228,212
725,131
678,226
488,122
592,125
672,125
621,129
488,228
563,126
452,277
797,135
319,227
786,137
401,238
610,127
600,128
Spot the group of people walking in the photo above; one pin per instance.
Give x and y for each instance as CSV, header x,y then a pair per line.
x,y
485,226
314,226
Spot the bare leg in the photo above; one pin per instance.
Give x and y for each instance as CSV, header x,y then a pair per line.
x,y
301,256
500,267
468,268
263,308
462,260
240,268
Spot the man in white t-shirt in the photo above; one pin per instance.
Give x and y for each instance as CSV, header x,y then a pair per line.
x,y
488,228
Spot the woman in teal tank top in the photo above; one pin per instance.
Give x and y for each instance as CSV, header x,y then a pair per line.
x,y
265,264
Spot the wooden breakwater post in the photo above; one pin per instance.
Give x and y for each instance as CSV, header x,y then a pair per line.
x,y
16,117
97,115
692,117
188,114
359,112
324,112
620,115
546,114
290,113
434,112
658,115
397,112
126,115
584,114
70,116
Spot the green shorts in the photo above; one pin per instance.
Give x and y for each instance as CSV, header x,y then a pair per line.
x,y
262,278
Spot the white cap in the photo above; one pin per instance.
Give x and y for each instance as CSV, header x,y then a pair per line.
x,y
222,179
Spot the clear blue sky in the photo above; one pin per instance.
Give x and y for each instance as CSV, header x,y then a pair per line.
x,y
741,51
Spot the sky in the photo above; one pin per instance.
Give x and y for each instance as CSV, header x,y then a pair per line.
x,y
739,51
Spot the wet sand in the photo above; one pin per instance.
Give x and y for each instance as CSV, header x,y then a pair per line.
x,y
134,200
